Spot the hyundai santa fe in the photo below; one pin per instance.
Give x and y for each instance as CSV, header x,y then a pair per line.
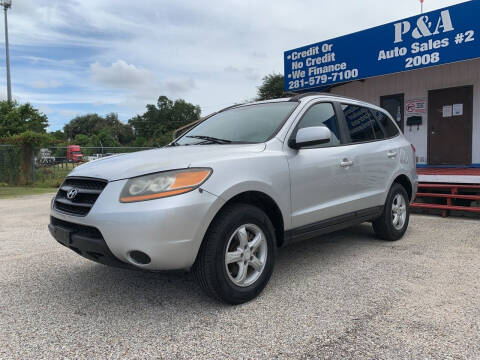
x,y
222,197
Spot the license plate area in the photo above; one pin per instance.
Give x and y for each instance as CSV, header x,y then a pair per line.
x,y
62,235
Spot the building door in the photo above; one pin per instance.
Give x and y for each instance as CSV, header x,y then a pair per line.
x,y
394,105
450,126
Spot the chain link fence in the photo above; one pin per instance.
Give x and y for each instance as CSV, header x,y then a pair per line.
x,y
50,165
10,164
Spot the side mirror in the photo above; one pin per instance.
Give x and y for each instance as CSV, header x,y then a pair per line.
x,y
310,136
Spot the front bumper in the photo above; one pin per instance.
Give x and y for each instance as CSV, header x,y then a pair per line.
x,y
168,230
85,241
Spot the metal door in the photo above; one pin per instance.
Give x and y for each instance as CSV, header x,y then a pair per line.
x,y
394,104
450,126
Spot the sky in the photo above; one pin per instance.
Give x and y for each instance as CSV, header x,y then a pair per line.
x,y
73,57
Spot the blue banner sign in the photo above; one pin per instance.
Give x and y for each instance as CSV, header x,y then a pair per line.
x,y
438,37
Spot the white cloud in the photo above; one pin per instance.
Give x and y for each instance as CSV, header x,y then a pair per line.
x,y
211,52
45,84
248,72
180,86
121,75
35,60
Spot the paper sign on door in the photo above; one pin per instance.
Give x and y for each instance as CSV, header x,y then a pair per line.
x,y
447,111
457,109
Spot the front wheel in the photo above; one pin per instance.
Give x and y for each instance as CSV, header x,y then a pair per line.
x,y
237,256
393,222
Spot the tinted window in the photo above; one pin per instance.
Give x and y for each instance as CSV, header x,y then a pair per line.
x,y
377,129
244,124
360,123
322,115
388,125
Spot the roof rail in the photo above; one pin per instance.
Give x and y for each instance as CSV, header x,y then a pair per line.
x,y
300,96
313,93
224,109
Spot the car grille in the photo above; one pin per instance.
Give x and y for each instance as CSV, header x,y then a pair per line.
x,y
88,190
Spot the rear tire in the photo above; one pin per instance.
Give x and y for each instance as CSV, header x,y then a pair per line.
x,y
393,222
237,255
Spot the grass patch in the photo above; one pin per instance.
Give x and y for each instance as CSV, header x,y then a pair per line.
x,y
13,191
47,180
52,176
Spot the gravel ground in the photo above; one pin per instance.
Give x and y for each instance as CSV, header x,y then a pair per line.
x,y
346,295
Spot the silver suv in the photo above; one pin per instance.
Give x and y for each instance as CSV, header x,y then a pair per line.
x,y
246,180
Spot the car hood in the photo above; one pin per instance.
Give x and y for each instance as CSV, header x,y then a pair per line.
x,y
124,166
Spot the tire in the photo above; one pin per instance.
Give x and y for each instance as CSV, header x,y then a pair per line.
x,y
236,283
392,224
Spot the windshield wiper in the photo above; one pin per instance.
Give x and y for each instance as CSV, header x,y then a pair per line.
x,y
210,139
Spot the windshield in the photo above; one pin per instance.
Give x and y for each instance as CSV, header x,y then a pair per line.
x,y
245,124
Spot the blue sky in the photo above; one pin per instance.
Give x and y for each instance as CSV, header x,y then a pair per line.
x,y
72,57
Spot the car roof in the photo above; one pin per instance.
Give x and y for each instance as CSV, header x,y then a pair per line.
x,y
310,96
301,98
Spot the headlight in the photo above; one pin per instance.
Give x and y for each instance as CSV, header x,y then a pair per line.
x,y
168,183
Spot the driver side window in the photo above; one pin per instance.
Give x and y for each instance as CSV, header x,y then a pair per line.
x,y
322,114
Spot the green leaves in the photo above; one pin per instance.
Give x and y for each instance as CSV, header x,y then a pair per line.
x,y
29,139
271,88
91,129
16,119
158,123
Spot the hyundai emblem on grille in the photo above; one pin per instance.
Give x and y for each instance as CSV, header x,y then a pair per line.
x,y
72,193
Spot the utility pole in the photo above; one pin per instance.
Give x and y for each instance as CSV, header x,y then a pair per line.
x,y
6,5
421,6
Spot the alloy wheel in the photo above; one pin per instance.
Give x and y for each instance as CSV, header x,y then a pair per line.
x,y
399,211
246,255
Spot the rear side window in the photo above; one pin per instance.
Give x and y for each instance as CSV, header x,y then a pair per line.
x,y
322,115
377,129
390,129
360,122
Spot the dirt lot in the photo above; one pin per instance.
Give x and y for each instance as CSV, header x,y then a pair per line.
x,y
346,295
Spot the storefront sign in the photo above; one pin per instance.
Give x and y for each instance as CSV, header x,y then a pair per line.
x,y
438,37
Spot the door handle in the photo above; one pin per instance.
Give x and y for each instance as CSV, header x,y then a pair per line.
x,y
392,154
346,163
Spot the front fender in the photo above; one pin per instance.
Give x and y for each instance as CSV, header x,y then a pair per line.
x,y
268,174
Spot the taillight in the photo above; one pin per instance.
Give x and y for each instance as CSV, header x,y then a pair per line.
x,y
413,148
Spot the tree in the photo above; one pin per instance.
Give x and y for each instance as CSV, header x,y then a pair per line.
x,y
94,124
106,138
59,135
160,120
81,140
16,119
271,88
122,133
88,124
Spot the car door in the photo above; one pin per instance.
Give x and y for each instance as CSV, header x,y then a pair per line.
x,y
388,152
322,178
372,155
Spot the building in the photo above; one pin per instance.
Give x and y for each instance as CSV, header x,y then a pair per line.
x,y
425,70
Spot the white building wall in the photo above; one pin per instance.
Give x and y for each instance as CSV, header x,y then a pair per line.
x,y
416,84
